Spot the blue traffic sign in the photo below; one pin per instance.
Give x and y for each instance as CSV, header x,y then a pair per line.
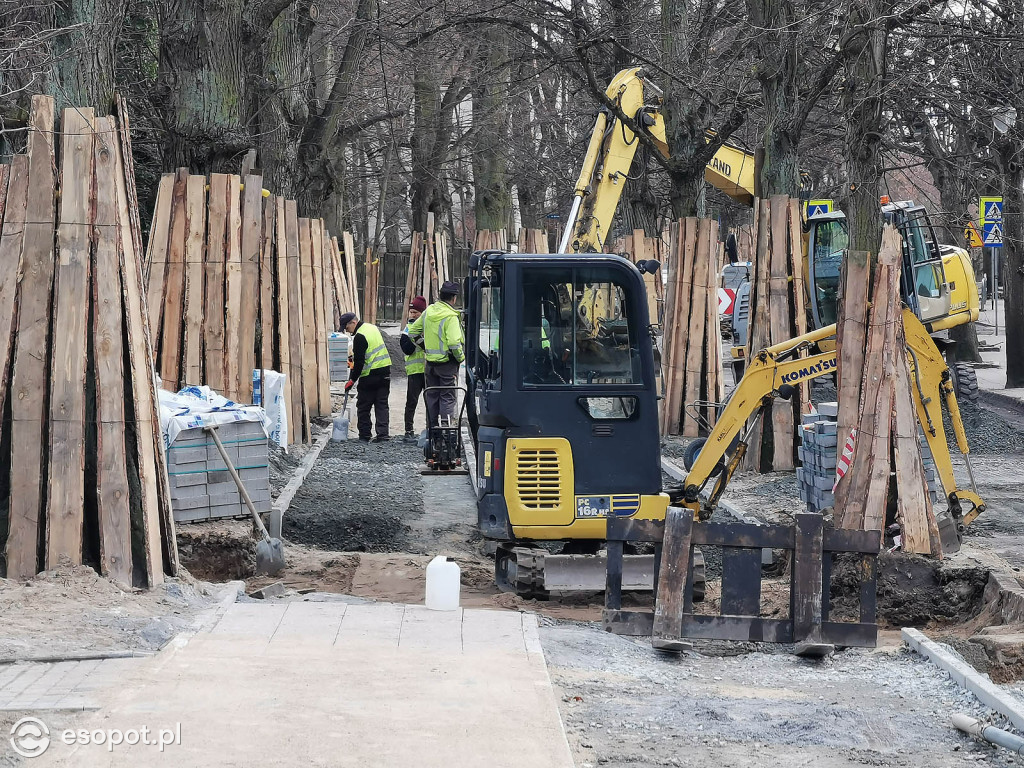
x,y
992,237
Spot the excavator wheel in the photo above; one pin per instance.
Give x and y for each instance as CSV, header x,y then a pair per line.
x,y
965,382
691,452
700,580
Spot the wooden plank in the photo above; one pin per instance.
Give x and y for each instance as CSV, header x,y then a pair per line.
x,y
66,466
807,586
738,628
668,325
411,281
316,229
741,581
234,296
431,253
156,252
154,499
869,474
851,335
310,395
12,236
26,249
173,319
796,269
216,296
627,623
112,491
195,231
757,327
613,580
712,330
675,568
266,343
350,270
4,179
341,286
296,338
282,317
783,423
695,344
252,245
920,533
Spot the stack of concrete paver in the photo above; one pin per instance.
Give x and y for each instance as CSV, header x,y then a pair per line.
x,y
818,452
201,485
337,356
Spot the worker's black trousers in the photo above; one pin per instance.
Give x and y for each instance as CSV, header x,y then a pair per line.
x,y
373,393
412,398
441,402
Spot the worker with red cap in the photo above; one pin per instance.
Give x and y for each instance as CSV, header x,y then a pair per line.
x,y
415,364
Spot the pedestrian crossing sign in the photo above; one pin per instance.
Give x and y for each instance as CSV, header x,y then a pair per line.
x,y
993,234
819,207
973,236
991,209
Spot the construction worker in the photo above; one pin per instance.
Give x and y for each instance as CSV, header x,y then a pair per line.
x,y
415,364
439,332
371,367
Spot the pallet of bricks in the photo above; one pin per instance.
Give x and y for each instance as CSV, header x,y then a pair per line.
x,y
691,342
237,282
81,448
202,488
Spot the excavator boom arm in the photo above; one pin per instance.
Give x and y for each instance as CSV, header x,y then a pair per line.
x,y
776,367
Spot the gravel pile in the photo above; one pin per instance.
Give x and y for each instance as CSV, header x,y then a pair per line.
x,y
359,497
987,431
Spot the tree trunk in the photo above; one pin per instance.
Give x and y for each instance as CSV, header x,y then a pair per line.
x,y
491,115
863,98
429,145
686,115
777,72
1012,160
201,88
86,55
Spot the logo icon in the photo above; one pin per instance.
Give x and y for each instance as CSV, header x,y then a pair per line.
x,y
30,737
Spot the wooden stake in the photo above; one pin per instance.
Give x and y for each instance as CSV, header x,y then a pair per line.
x,y
780,325
173,318
216,292
235,295
28,386
156,255
64,509
112,492
195,230
252,245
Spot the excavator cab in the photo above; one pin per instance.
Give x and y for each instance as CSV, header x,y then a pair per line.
x,y
924,285
561,377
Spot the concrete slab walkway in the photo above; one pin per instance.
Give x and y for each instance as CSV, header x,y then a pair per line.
x,y
334,684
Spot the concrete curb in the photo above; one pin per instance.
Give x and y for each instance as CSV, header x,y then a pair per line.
x,y
962,673
280,505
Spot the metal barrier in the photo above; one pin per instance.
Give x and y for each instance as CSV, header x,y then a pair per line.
x,y
811,547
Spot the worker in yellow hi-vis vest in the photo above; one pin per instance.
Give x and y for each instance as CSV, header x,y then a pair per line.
x,y
439,332
371,367
415,365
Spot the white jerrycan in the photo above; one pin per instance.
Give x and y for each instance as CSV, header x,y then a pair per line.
x,y
442,584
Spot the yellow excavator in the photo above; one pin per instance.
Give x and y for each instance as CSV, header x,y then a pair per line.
x,y
937,284
563,400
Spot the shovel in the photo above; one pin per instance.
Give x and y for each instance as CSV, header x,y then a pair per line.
x,y
269,552
340,431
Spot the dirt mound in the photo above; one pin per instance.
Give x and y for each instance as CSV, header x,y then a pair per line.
x,y
72,610
218,550
913,591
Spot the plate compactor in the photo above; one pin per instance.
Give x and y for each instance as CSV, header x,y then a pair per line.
x,y
443,451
